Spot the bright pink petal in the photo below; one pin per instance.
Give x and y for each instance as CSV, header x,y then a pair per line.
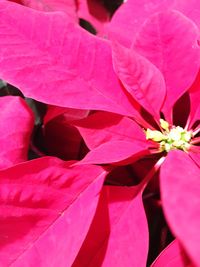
x,y
140,78
59,64
103,127
46,210
94,12
116,151
180,187
119,233
67,6
16,125
135,12
189,8
128,19
172,256
111,138
161,41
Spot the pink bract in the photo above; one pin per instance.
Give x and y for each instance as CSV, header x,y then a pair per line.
x,y
172,256
106,244
39,200
136,12
109,94
14,140
56,63
130,67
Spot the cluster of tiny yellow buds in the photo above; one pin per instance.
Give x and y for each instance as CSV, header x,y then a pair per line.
x,y
164,125
174,138
156,136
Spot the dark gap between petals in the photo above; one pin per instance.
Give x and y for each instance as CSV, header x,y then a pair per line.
x,y
196,125
87,26
181,110
149,118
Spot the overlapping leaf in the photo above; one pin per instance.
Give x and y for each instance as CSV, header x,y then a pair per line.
x,y
67,6
16,125
111,138
135,12
140,78
122,152
103,127
59,64
118,235
46,210
128,19
172,256
180,187
161,41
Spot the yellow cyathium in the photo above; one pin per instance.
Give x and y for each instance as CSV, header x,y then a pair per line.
x,y
170,138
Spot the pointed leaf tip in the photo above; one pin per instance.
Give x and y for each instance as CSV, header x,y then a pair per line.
x,y
140,78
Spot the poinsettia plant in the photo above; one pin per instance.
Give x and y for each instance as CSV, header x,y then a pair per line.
x,y
100,155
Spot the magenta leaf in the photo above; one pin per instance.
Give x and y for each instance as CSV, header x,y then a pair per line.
x,y
67,6
190,9
118,235
51,65
116,151
172,256
140,78
16,125
161,41
112,138
46,210
180,187
103,127
135,12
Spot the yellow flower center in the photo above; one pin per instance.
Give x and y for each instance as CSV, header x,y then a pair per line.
x,y
170,138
